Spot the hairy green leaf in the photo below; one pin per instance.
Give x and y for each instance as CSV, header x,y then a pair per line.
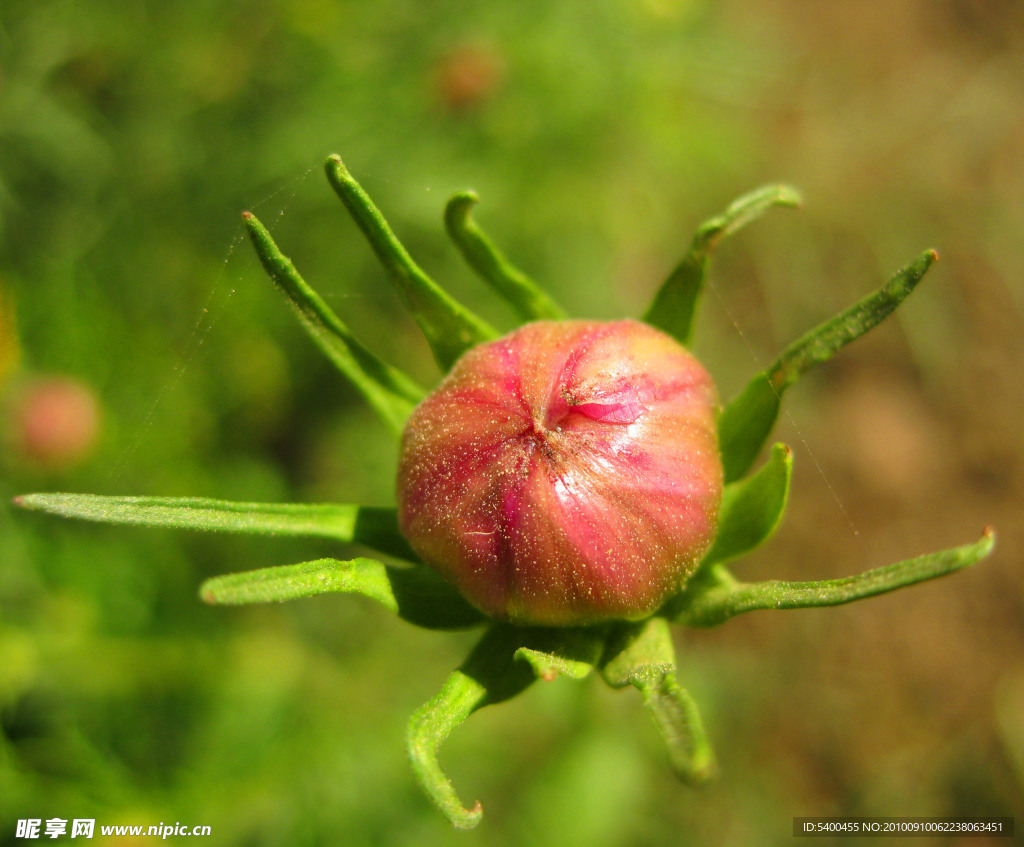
x,y
675,304
390,392
417,595
713,599
449,327
489,675
570,652
376,527
523,294
746,422
642,655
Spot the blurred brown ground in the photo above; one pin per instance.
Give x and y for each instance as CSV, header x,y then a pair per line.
x,y
900,121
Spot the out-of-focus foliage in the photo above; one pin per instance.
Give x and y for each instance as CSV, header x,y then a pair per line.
x,y
597,135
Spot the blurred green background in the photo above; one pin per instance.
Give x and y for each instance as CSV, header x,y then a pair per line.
x,y
598,135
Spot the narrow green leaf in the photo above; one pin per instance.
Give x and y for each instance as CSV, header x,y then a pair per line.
x,y
449,327
570,652
417,595
489,675
675,304
642,655
752,508
389,391
746,422
523,294
709,602
376,527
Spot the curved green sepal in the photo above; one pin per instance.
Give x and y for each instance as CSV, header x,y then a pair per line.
x,y
677,718
675,304
449,327
571,652
417,595
389,391
642,655
710,601
752,508
523,294
376,527
428,727
489,675
746,422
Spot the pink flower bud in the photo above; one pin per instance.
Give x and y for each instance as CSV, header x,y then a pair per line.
x,y
58,421
565,474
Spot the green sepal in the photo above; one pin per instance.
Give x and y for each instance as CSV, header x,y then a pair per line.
x,y
489,675
747,420
528,299
449,327
752,508
376,527
717,596
417,595
675,304
745,424
504,662
388,390
642,655
569,652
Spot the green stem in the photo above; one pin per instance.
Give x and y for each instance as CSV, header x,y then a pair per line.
x,y
449,327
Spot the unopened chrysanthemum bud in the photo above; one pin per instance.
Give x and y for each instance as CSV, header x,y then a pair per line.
x,y
565,474
57,421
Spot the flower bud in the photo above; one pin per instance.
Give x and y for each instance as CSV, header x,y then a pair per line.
x,y
57,421
565,474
